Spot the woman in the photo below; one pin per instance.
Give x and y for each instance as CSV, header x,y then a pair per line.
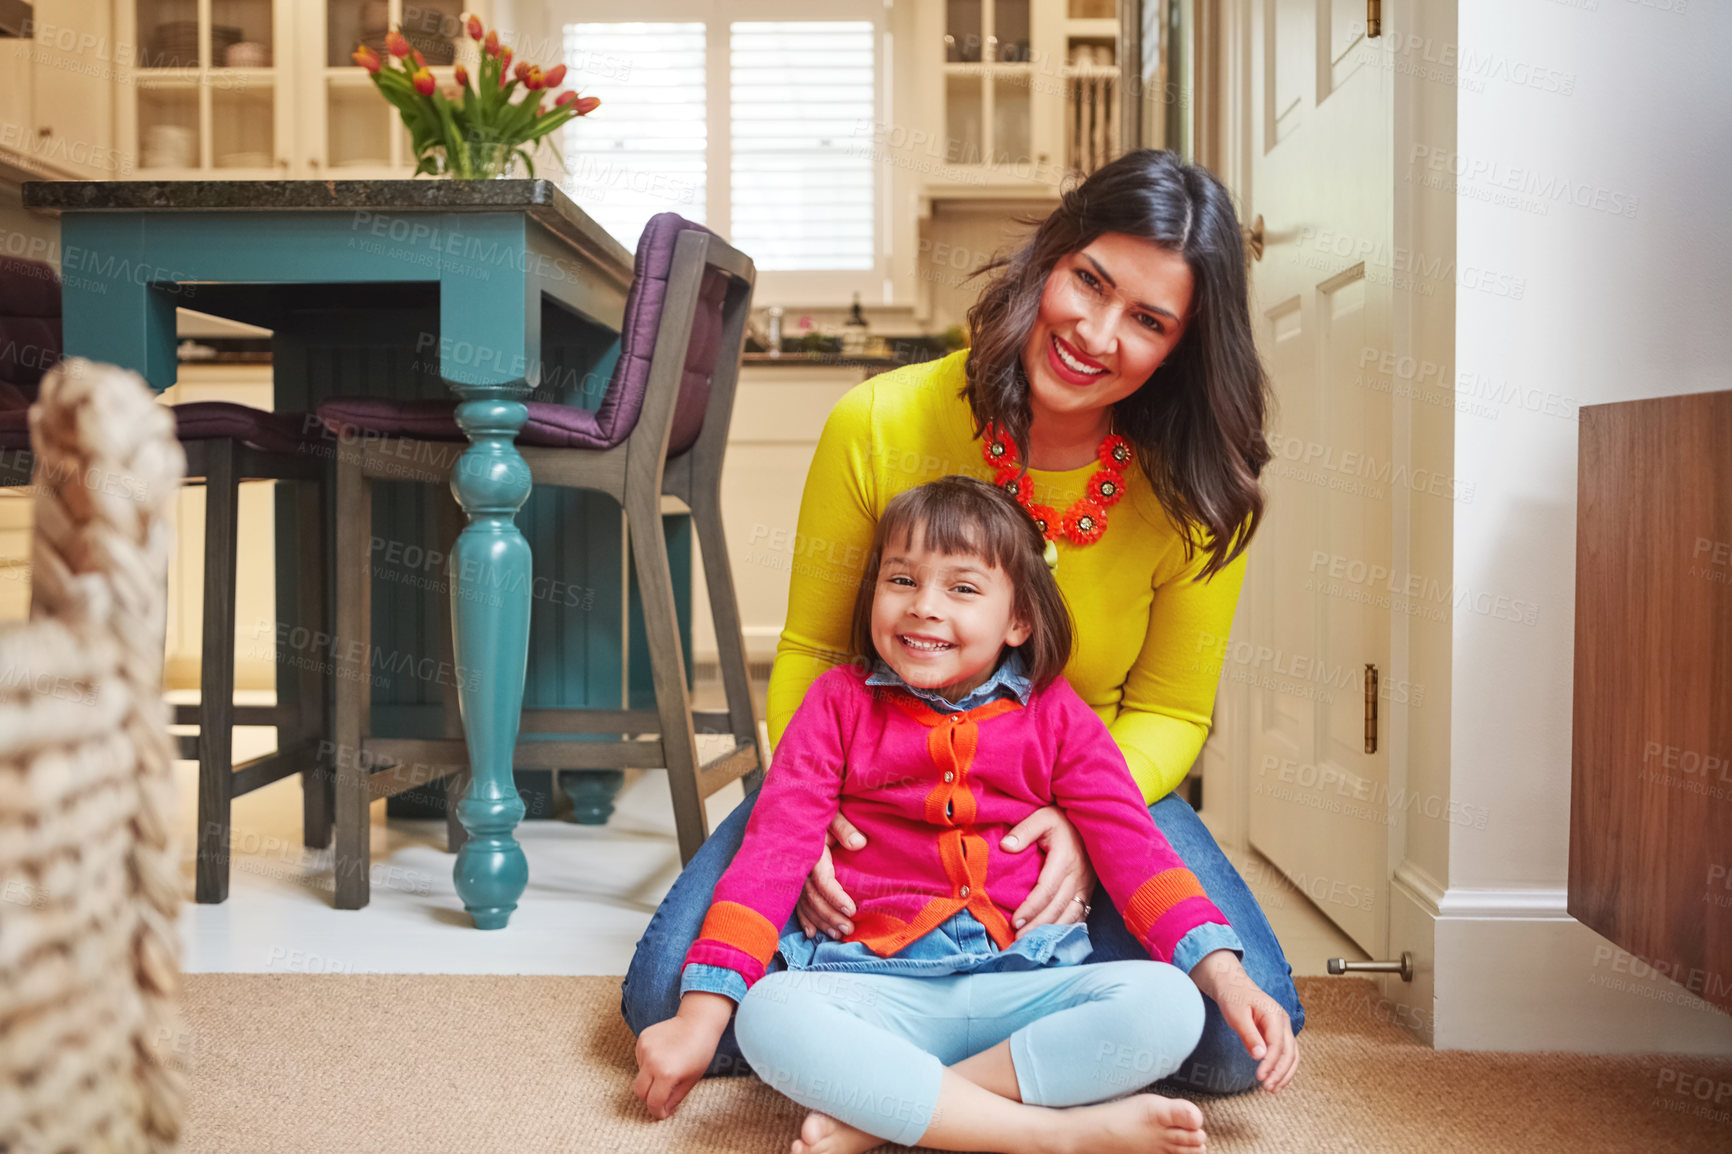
x,y
1122,324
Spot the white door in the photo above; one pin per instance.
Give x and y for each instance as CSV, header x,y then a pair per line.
x,y
1317,592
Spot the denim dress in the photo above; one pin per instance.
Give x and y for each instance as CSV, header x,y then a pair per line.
x,y
959,944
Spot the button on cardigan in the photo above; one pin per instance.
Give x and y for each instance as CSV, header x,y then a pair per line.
x,y
934,793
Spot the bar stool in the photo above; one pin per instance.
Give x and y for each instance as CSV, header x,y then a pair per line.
x,y
225,444
661,428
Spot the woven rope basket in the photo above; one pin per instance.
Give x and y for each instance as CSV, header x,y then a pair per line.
x,y
89,875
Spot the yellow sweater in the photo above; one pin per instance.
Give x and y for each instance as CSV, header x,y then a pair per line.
x,y
1149,640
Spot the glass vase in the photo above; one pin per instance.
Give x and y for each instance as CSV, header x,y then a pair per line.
x,y
482,160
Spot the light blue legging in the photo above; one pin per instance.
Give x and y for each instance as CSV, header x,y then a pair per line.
x,y
869,1049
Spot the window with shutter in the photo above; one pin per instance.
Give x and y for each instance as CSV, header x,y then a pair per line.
x,y
648,154
802,192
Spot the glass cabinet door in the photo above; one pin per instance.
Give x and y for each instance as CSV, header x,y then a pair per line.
x,y
360,134
988,80
206,82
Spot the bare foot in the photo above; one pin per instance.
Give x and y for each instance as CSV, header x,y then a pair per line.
x,y
1141,1123
822,1134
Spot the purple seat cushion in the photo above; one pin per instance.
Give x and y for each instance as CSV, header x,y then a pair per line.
x,y
12,397
14,429
28,288
198,421
548,426
566,426
272,432
29,347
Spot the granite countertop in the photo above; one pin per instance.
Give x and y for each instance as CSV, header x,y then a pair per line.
x,y
541,199
821,360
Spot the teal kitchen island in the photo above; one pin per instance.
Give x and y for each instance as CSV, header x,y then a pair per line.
x,y
492,292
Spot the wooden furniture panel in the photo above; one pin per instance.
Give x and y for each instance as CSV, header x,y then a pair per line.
x,y
1651,773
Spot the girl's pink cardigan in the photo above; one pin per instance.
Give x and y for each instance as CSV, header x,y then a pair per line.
x,y
934,793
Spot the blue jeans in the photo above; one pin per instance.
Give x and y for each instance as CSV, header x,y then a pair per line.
x,y
870,1049
1219,1065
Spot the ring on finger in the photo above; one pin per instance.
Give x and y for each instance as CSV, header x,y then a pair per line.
x,y
1087,909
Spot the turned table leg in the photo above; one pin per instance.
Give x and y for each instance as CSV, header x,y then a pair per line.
x,y
490,592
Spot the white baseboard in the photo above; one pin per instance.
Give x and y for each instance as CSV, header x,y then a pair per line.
x,y
1507,968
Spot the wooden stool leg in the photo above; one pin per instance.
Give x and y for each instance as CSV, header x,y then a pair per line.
x,y
354,591
730,638
668,667
318,787
216,704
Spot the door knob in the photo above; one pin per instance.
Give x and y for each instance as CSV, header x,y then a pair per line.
x,y
1404,967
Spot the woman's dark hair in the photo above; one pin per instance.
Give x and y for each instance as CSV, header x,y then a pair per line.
x,y
1197,423
957,514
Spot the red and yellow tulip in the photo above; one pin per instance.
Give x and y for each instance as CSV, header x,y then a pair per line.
x,y
463,129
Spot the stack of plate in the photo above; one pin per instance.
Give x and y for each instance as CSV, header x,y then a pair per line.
x,y
173,45
170,146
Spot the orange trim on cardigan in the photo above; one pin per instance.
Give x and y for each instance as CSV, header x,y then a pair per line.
x,y
963,853
742,927
1158,895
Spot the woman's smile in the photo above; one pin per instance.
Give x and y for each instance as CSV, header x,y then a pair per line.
x,y
1072,366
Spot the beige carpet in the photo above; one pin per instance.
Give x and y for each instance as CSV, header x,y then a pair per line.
x,y
517,1065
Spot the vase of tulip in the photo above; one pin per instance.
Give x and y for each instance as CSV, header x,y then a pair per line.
x,y
473,130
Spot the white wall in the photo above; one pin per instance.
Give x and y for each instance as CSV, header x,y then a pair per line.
x,y
1626,297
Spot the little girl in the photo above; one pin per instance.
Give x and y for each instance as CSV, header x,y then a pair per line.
x,y
931,1022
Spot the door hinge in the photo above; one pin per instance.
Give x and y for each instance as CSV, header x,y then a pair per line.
x,y
1370,708
1373,19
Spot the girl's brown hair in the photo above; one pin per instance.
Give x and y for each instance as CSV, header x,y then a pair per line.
x,y
957,514
1197,423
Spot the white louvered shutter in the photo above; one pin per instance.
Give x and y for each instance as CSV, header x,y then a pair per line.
x,y
643,151
801,188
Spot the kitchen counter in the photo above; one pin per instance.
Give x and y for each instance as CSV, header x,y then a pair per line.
x,y
821,360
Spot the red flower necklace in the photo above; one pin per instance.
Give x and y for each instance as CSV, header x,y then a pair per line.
x,y
1085,521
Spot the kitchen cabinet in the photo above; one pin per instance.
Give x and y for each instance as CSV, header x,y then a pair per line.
x,y
205,90
16,130
61,98
1022,91
266,89
348,131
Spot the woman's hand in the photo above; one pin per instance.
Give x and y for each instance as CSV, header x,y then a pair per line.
x,y
1065,875
824,904
673,1055
1257,1018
